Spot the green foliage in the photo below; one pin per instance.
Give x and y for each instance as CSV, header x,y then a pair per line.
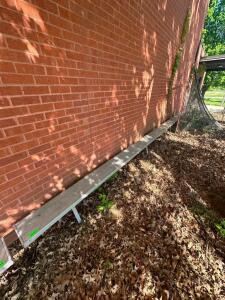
x,y
201,210
108,264
113,177
214,79
209,217
100,189
105,203
214,31
185,28
110,179
2,263
33,232
213,38
177,60
201,70
220,227
174,70
176,63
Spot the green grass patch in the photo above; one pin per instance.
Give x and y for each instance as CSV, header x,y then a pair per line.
x,y
108,264
113,177
105,203
201,210
213,101
215,93
220,227
2,263
209,217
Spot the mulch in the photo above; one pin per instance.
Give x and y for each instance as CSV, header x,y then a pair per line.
x,y
157,241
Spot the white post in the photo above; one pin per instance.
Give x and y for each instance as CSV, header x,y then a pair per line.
x,y
146,149
223,105
76,214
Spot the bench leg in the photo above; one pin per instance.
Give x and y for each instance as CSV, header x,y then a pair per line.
x,y
76,214
146,151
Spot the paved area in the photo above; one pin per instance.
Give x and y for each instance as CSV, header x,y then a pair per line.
x,y
215,109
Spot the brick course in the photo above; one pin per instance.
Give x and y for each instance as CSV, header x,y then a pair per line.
x,y
79,81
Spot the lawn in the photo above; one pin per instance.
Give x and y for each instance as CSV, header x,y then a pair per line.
x,y
214,97
213,101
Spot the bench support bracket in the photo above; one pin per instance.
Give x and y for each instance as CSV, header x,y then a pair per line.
x,y
76,214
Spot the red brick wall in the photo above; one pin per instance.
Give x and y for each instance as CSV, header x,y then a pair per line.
x,y
80,80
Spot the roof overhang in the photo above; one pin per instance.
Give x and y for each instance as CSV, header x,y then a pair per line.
x,y
214,63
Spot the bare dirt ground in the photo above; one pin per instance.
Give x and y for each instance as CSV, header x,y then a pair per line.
x,y
157,241
220,117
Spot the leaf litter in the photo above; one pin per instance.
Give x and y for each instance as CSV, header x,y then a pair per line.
x,y
156,240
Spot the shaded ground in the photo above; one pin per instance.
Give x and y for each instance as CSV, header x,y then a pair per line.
x,y
157,241
220,117
215,109
218,112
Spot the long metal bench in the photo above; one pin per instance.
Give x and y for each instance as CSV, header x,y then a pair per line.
x,y
36,223
5,258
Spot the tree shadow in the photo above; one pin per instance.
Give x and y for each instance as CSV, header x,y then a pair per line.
x,y
82,90
197,181
139,249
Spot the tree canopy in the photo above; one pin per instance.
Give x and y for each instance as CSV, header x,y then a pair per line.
x,y
214,40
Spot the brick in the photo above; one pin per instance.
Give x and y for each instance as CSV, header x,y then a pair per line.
x,y
8,168
59,22
10,183
51,98
35,90
46,5
25,100
59,71
18,129
46,80
37,134
4,101
10,90
7,67
17,79
17,44
59,89
40,107
68,80
27,163
44,124
75,75
55,114
6,27
2,179
63,105
49,138
29,69
17,195
39,149
4,152
13,111
12,158
31,118
11,140
13,174
24,146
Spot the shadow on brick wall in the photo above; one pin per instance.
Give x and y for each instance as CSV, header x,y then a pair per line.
x,y
86,83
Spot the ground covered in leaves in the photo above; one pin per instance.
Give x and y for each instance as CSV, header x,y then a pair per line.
x,y
220,117
155,236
